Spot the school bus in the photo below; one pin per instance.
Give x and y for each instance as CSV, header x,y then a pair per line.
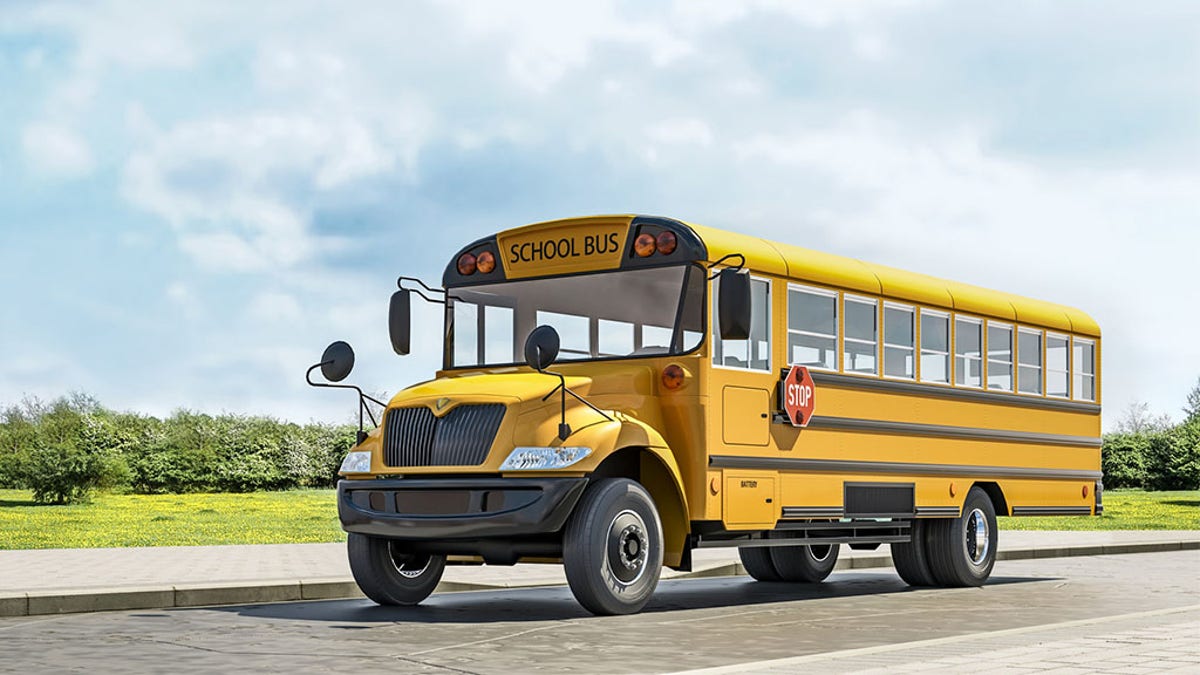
x,y
618,391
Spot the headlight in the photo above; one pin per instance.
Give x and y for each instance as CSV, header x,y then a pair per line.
x,y
536,459
356,462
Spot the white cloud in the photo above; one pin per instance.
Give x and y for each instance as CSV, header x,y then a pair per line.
x,y
56,150
682,131
546,40
234,188
274,306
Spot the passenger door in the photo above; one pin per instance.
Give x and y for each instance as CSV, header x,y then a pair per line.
x,y
743,374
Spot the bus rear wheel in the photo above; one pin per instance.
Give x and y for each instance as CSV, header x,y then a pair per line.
x,y
910,560
612,547
962,551
758,564
390,576
805,564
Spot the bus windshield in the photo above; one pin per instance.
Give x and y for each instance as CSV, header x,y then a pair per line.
x,y
608,315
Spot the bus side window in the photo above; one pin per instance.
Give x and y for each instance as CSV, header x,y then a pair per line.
x,y
935,347
1058,367
1084,366
968,352
1029,361
755,353
812,328
898,341
1000,356
862,328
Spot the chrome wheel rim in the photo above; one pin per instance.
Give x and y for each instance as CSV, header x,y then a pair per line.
x,y
408,565
628,547
977,537
820,553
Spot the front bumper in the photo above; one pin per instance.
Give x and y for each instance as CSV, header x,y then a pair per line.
x,y
457,508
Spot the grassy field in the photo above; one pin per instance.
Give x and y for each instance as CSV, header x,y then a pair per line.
x,y
1126,510
170,520
311,516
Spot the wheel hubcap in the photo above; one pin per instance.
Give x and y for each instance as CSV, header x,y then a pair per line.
x,y
408,565
977,537
628,545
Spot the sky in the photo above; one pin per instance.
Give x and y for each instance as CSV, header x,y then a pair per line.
x,y
195,198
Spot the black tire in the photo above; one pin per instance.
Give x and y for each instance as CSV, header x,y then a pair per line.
x,y
805,564
909,558
389,576
961,551
612,547
757,561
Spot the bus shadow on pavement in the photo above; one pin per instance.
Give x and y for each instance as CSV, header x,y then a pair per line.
x,y
556,603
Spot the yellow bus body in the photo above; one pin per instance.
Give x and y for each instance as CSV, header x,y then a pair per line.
x,y
714,453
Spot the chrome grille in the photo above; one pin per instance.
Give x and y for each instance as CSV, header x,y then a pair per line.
x,y
415,437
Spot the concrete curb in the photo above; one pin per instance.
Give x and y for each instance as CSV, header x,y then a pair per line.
x,y
205,595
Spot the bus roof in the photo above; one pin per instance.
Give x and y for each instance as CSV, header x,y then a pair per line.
x,y
856,275
785,260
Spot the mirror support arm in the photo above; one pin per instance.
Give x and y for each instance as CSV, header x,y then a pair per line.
x,y
432,291
738,267
362,397
564,429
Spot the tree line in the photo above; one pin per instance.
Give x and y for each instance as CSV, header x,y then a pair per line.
x,y
1153,452
66,448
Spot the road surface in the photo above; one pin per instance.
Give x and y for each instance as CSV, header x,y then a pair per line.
x,y
1121,612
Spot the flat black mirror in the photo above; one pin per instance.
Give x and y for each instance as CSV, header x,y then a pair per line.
x,y
541,347
337,361
400,321
733,304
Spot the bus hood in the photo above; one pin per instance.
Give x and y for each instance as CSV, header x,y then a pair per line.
x,y
516,387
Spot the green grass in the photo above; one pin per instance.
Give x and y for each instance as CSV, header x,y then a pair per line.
x,y
112,520
302,516
1126,510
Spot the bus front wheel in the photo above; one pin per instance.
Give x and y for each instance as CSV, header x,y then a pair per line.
x,y
389,576
612,547
961,551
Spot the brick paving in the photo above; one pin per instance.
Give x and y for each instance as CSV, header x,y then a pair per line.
x,y
1147,642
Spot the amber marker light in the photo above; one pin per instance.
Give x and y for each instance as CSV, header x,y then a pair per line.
x,y
466,264
1085,491
666,243
485,262
673,377
644,245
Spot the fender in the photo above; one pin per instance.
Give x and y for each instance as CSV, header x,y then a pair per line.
x,y
658,470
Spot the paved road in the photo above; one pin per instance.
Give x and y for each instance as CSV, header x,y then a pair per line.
x,y
1122,611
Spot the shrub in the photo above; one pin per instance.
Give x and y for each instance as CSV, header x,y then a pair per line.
x,y
1173,458
1123,460
64,473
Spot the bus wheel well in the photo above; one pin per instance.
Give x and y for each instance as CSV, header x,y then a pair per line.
x,y
624,463
997,496
652,473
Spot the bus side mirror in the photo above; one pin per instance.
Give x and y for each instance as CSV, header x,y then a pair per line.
x,y
337,361
733,304
541,347
400,321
